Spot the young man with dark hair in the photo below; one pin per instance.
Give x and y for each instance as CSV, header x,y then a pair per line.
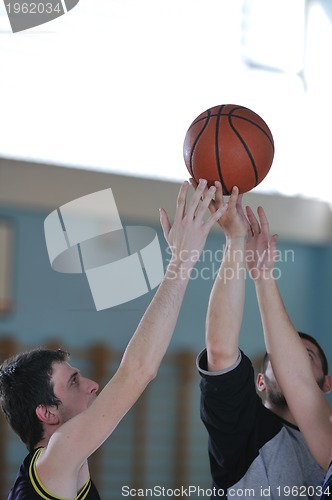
x,y
255,447
25,383
298,361
320,352
271,389
57,412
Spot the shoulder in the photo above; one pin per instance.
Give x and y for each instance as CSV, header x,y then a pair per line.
x,y
23,486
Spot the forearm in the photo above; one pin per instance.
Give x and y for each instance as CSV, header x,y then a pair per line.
x,y
225,309
284,346
138,367
154,332
292,367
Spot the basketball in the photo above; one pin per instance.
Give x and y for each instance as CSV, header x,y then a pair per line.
x,y
231,144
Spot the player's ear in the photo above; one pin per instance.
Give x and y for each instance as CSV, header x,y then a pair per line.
x,y
327,384
47,414
260,383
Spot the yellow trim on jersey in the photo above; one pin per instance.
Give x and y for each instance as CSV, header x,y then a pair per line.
x,y
42,491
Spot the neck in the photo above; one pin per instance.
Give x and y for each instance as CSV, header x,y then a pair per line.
x,y
42,443
48,432
282,412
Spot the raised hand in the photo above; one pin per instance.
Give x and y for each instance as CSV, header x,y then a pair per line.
x,y
261,248
233,221
187,236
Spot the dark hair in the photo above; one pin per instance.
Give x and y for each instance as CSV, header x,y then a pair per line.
x,y
25,383
321,353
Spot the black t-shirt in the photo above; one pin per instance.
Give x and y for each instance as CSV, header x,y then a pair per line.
x,y
252,451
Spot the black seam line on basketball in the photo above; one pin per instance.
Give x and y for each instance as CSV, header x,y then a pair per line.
x,y
246,148
207,118
236,108
256,125
208,111
216,145
241,118
211,115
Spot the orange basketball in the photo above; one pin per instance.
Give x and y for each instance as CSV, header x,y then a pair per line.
x,y
231,144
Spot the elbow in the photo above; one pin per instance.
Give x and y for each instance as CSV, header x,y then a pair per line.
x,y
145,375
143,369
149,369
151,374
219,359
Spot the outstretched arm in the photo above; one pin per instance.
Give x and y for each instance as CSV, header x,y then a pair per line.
x,y
79,437
186,239
289,358
225,308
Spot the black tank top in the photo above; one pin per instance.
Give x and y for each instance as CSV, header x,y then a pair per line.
x,y
28,487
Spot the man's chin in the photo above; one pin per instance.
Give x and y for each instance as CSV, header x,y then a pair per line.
x,y
91,401
278,400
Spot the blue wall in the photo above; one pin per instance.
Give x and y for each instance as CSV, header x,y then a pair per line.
x,y
54,305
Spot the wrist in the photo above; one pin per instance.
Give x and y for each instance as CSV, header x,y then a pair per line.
x,y
264,277
180,268
235,250
236,241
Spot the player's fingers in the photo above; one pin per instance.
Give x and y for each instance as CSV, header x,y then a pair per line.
x,y
181,202
215,216
196,198
264,223
273,246
219,196
193,182
164,221
239,200
232,202
194,185
205,203
239,206
254,224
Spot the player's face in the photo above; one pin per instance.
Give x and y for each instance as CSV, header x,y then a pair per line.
x,y
273,391
75,392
